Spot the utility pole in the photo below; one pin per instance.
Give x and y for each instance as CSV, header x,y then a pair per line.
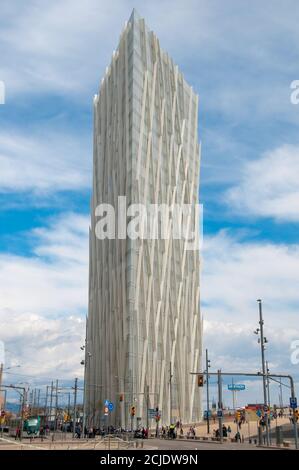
x,y
68,404
22,414
51,405
262,343
33,401
170,394
75,406
220,406
56,406
46,405
208,392
38,399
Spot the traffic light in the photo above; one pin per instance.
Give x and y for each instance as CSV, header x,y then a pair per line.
x,y
200,380
121,397
133,410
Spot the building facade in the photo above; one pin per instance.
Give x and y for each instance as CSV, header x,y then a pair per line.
x,y
144,329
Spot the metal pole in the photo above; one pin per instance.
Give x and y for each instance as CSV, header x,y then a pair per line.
x,y
46,405
220,407
84,387
208,397
268,384
170,394
56,406
38,399
4,403
33,401
294,413
147,407
269,403
22,414
262,339
234,396
75,406
51,404
69,404
280,396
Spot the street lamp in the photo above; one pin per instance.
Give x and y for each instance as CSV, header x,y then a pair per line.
x,y
262,340
208,364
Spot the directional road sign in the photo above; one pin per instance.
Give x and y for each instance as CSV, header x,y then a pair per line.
x,y
236,387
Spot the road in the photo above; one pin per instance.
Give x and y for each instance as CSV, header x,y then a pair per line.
x,y
167,444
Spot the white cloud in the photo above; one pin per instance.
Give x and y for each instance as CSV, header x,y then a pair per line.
x,y
43,299
55,280
65,45
43,347
269,186
57,47
235,274
43,161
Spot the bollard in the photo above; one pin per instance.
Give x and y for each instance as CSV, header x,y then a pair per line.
x,y
260,436
278,435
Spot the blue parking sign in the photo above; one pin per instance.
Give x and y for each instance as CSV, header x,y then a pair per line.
x,y
111,406
293,403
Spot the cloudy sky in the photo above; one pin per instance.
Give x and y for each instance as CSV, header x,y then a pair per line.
x,y
241,57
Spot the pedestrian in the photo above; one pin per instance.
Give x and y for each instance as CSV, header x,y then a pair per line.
x,y
18,433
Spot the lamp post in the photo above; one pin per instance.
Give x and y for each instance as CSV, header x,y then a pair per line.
x,y
208,364
262,340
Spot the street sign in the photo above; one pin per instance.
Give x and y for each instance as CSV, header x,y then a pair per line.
x,y
259,413
106,403
151,412
206,414
293,403
236,387
219,413
111,406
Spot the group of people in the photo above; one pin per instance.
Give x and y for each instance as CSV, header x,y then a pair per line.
x,y
141,433
169,432
226,432
191,433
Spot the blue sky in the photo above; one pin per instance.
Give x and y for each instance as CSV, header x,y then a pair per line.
x,y
241,57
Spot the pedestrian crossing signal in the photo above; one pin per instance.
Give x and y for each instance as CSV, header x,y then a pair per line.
x,y
200,380
133,411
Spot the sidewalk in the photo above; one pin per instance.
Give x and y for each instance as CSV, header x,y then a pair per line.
x,y
247,429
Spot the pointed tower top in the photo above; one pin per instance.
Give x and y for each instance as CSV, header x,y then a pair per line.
x,y
134,16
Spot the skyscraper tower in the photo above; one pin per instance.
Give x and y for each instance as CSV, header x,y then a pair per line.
x,y
144,326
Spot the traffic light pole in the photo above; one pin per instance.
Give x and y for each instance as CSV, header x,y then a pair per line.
x,y
208,397
294,412
75,407
220,406
262,343
23,402
271,376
